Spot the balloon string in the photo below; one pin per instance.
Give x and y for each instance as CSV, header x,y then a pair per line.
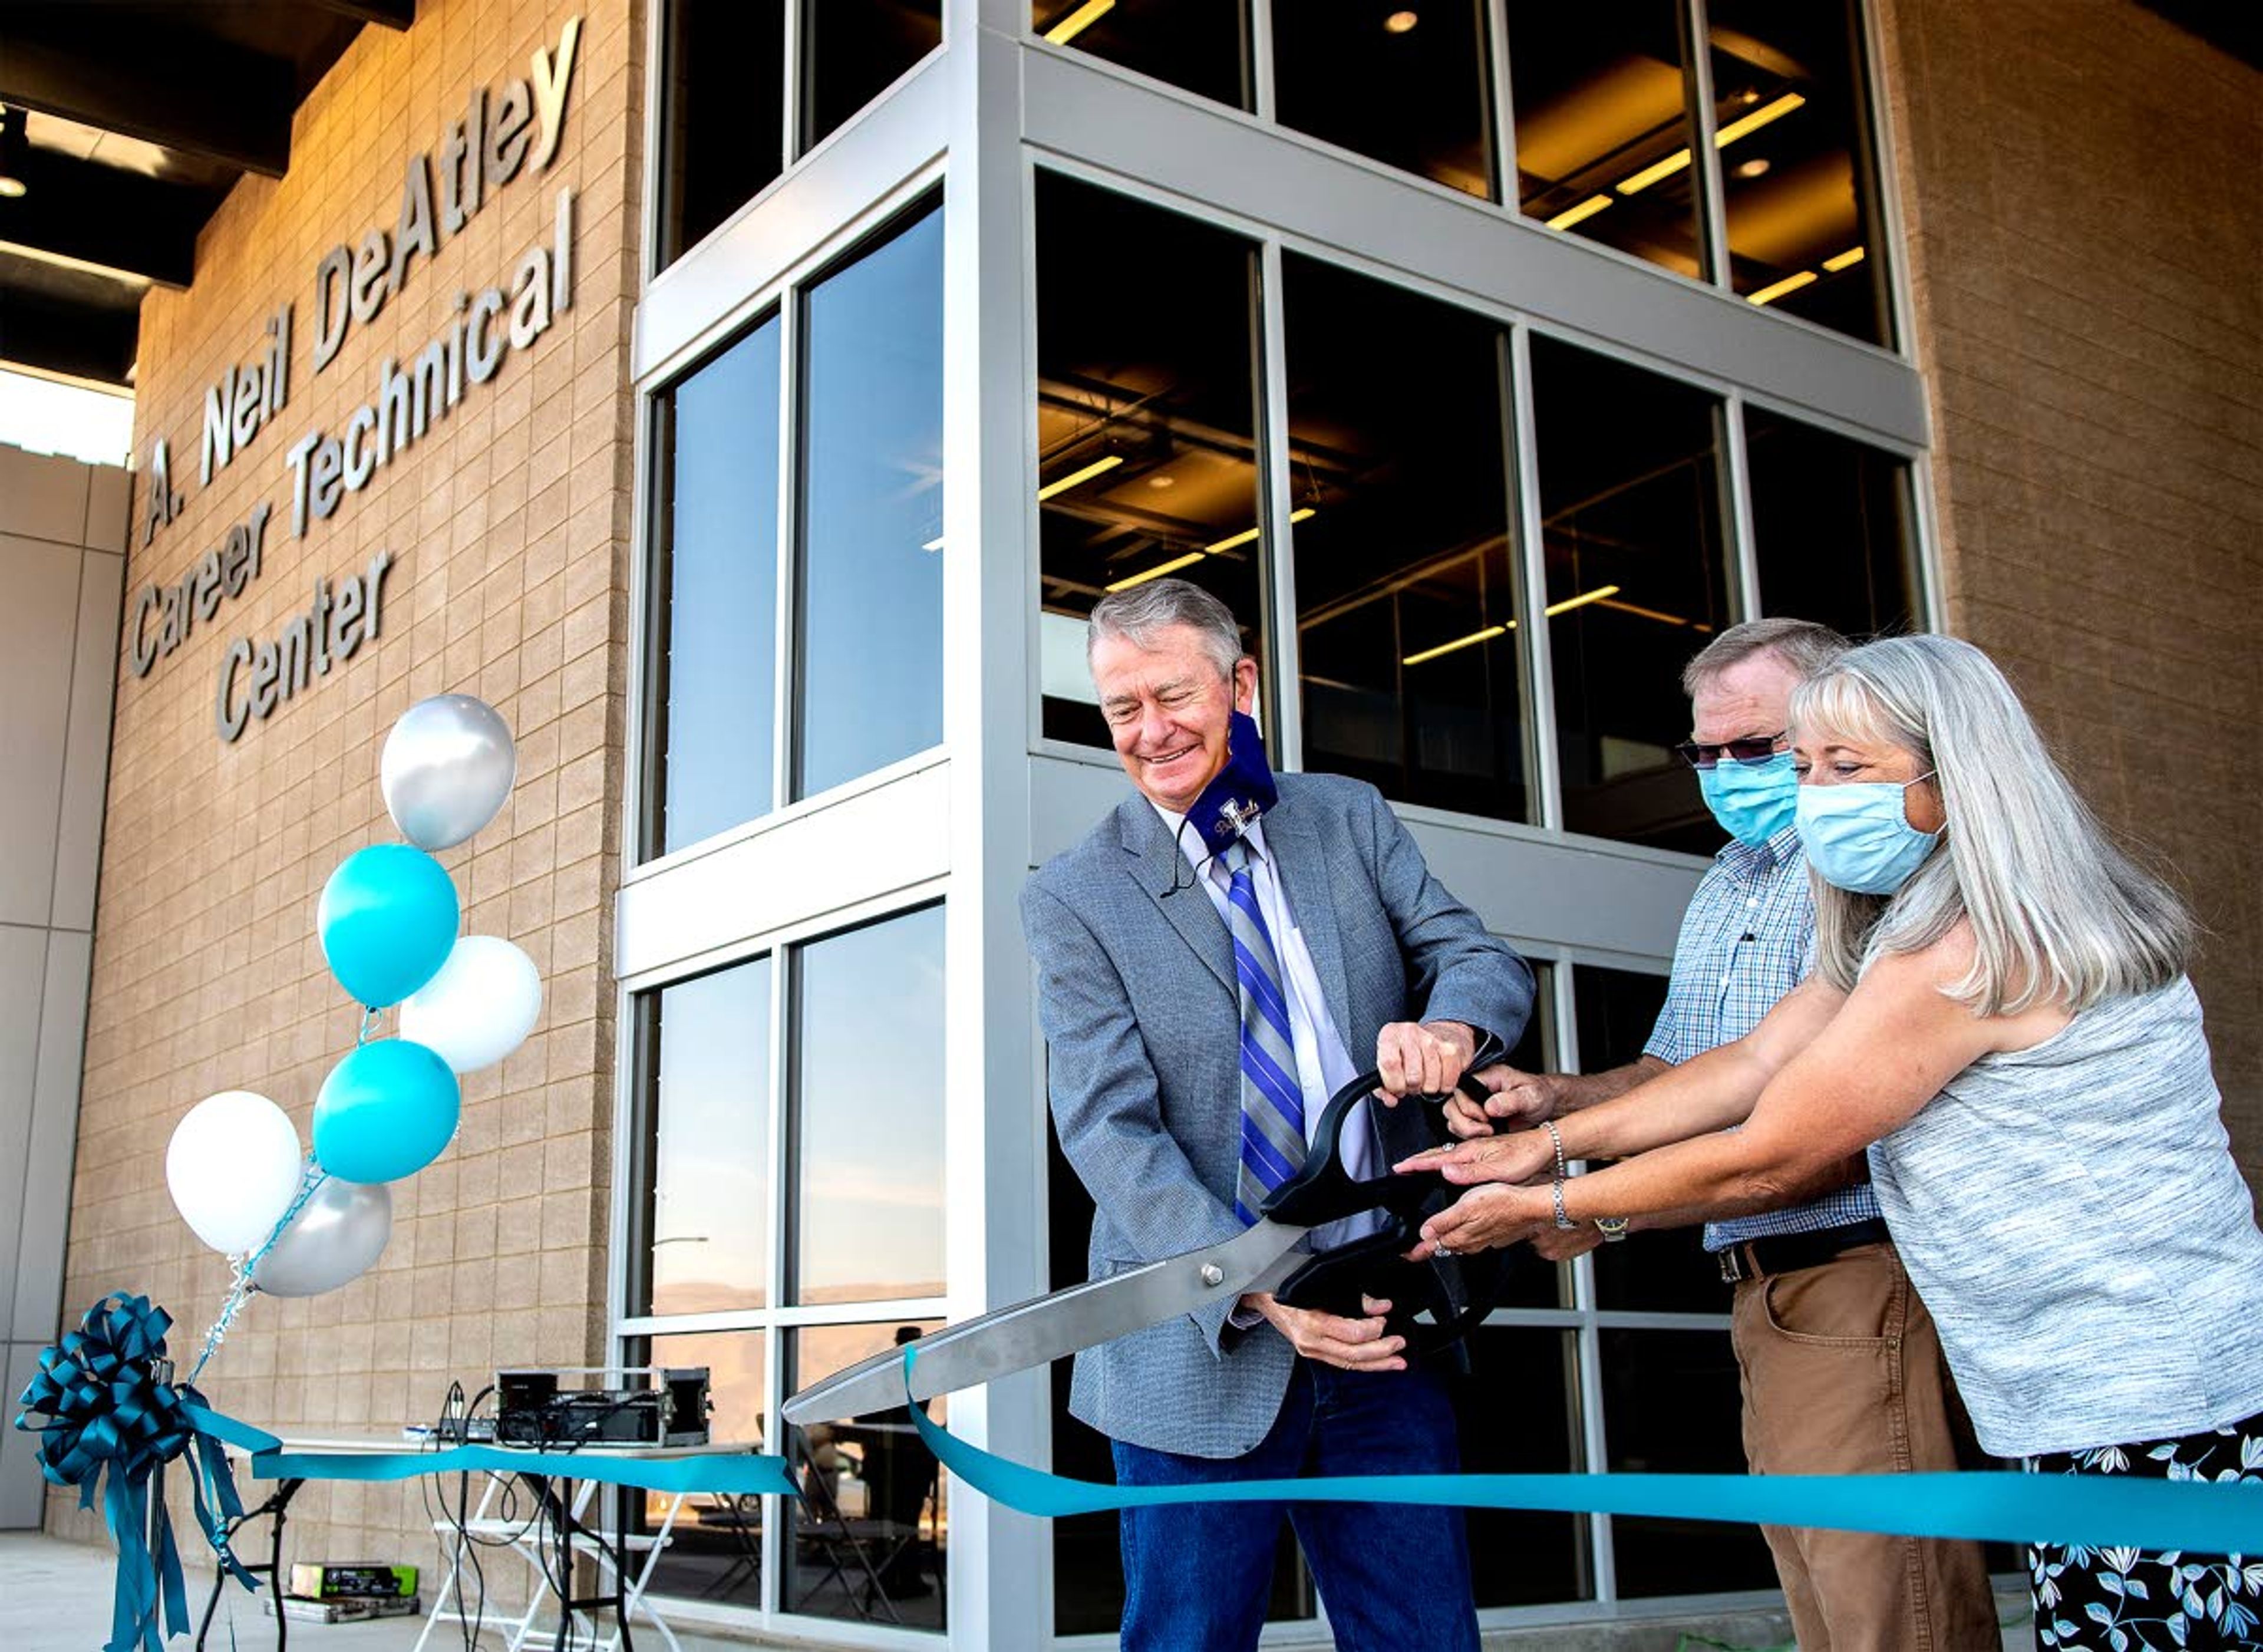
x,y
240,1269
369,1018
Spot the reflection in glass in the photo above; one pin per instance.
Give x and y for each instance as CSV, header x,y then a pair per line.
x,y
715,1549
1667,1271
1603,131
1796,186
1200,46
868,1112
1519,1414
1147,421
709,1225
1631,522
715,560
853,50
870,1536
1831,528
870,636
1406,588
1670,1406
722,125
1403,85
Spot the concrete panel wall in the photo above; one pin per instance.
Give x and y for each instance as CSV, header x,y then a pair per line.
x,y
62,538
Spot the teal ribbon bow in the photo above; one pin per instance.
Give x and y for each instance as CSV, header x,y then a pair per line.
x,y
113,1420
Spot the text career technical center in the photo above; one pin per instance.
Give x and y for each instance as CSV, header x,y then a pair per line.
x,y
506,130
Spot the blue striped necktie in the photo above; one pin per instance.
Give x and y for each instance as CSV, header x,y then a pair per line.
x,y
1272,1106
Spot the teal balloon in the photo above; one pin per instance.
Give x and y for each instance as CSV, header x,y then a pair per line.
x,y
387,922
385,1111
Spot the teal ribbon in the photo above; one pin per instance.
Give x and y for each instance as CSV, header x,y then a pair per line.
x,y
113,1420
731,1474
2097,1510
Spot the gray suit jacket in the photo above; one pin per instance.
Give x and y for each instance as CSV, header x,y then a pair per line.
x,y
1142,1024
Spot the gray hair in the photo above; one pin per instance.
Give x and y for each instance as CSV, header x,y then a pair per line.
x,y
1801,644
2058,913
1138,613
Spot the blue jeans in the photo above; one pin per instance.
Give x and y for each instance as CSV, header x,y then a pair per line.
x,y
1197,1575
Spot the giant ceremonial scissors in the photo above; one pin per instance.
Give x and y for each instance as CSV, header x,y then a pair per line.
x,y
1433,1303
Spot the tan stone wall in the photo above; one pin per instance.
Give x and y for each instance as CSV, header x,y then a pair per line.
x,y
508,523
2085,251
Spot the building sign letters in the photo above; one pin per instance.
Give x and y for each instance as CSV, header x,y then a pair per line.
x,y
505,131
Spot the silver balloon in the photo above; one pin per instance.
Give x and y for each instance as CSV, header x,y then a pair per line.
x,y
447,769
338,1235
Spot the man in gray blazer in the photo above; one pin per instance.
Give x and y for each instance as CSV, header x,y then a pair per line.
x,y
1198,1013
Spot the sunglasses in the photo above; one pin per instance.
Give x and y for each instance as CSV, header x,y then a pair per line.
x,y
1751,752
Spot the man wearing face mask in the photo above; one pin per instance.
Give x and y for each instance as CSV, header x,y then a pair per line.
x,y
1821,1297
1223,952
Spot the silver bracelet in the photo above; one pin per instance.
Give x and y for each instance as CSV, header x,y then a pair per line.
x,y
1556,1190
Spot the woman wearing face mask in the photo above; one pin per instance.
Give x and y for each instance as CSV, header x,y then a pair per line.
x,y
1999,1013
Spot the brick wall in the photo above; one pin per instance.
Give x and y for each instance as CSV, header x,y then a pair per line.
x,y
509,524
2084,252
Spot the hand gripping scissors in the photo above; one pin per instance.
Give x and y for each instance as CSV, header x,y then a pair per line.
x,y
1433,1303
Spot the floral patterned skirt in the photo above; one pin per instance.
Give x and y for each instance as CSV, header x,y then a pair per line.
x,y
2157,1600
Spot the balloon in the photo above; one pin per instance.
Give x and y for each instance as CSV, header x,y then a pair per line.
x,y
233,1169
387,920
479,1008
337,1233
385,1111
447,768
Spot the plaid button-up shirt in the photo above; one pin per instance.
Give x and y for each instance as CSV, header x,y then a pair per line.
x,y
1745,943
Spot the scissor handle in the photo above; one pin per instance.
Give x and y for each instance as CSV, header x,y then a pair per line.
x,y
1324,1191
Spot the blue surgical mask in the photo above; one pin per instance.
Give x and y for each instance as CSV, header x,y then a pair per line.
x,y
1858,835
1753,801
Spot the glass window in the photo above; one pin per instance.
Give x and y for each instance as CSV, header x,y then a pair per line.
x,y
1671,1406
1631,523
868,1538
1831,527
868,1224
1667,1271
853,50
1603,131
714,1551
715,584
1201,46
722,122
709,1223
869,643
1796,186
1405,86
1406,588
1519,1414
1147,421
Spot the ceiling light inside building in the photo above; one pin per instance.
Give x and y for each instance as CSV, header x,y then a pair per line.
x,y
1839,261
1742,127
1400,22
1789,284
1079,20
11,152
1757,167
1076,476
1580,214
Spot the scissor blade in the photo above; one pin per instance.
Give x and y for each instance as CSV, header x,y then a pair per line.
x,y
1045,1327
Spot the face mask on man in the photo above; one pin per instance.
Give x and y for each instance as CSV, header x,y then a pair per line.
x,y
1240,791
1858,835
1753,801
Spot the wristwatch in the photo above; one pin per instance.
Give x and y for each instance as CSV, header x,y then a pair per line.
x,y
1613,1228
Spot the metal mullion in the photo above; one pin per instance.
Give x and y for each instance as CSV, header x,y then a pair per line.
x,y
1504,103
775,1156
790,106
1595,1443
1712,215
1279,626
1737,507
784,710
1546,783
1261,59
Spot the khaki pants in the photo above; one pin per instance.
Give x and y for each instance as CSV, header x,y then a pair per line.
x,y
1843,1375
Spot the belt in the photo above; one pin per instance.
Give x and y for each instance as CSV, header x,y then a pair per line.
x,y
1788,1253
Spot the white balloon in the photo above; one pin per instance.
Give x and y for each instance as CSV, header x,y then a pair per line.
x,y
479,1008
446,769
233,1168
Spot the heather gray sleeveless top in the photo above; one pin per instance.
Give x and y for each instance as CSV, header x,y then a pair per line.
x,y
2073,1216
